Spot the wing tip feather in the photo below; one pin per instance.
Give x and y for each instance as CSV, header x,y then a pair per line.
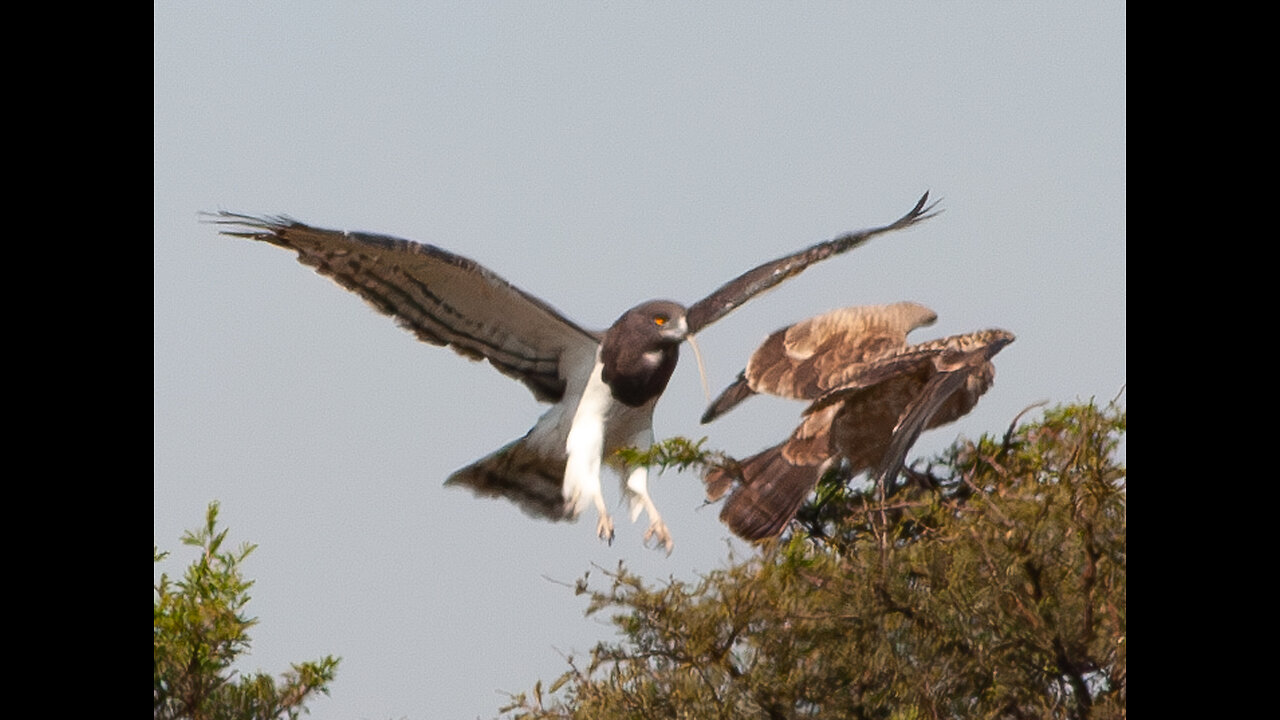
x,y
253,227
921,211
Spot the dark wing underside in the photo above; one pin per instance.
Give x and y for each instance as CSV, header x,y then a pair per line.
x,y
753,282
444,299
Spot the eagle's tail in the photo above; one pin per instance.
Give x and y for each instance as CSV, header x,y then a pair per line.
x,y
522,474
770,492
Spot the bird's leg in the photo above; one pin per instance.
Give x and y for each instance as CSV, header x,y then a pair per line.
x,y
586,484
584,445
637,489
604,526
582,487
658,529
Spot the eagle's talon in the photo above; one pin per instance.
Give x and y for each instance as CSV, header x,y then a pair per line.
x,y
659,529
604,529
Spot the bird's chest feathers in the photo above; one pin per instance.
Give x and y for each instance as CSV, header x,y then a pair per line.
x,y
600,422
636,376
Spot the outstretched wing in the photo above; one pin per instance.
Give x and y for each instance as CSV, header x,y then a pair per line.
x,y
753,282
444,299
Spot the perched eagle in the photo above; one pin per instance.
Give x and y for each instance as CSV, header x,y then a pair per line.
x,y
602,385
872,395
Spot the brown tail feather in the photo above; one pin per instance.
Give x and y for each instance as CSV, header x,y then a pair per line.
x,y
520,474
771,492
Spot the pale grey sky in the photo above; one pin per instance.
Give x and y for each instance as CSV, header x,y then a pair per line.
x,y
595,155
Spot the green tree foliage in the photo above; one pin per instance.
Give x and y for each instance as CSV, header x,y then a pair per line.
x,y
199,629
993,586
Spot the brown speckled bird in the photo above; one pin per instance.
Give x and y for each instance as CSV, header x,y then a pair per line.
x,y
871,396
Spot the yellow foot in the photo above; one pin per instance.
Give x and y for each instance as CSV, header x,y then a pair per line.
x,y
658,529
604,528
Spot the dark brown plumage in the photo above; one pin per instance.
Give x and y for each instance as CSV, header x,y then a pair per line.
x,y
636,358
866,412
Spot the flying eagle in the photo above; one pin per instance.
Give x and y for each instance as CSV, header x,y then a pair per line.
x,y
872,395
602,386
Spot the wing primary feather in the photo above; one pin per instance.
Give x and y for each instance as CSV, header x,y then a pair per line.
x,y
764,277
915,419
737,392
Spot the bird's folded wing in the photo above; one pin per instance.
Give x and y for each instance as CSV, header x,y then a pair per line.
x,y
753,282
444,299
910,366
922,413
943,379
965,373
804,360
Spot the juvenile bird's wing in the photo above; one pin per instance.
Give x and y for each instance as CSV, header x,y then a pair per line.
x,y
926,386
805,360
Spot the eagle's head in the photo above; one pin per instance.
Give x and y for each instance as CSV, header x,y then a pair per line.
x,y
660,322
640,349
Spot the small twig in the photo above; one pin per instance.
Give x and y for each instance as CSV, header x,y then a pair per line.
x,y
1008,436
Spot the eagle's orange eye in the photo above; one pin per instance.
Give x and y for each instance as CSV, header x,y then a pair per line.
x,y
659,320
